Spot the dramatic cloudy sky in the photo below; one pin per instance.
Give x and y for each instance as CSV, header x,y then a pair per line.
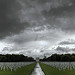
x,y
37,27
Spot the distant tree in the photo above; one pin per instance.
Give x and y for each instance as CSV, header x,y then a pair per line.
x,y
15,58
62,57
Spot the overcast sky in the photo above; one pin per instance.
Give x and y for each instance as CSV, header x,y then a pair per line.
x,y
37,27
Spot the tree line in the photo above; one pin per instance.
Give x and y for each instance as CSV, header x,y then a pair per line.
x,y
15,58
60,57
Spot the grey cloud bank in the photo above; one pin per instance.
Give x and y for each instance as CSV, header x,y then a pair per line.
x,y
37,26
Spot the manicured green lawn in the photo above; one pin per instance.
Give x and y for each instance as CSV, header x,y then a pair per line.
x,y
26,70
48,70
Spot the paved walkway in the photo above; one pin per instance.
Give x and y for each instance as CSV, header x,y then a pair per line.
x,y
37,70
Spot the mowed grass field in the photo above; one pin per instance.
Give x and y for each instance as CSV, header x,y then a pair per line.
x,y
26,70
48,70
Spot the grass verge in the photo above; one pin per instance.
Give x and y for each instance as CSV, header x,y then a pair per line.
x,y
48,70
26,70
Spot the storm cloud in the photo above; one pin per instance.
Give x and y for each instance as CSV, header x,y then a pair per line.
x,y
37,27
67,42
9,19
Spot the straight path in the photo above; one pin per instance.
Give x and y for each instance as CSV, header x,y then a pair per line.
x,y
37,70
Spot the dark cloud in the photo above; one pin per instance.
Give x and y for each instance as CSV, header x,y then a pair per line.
x,y
62,16
44,1
68,42
60,9
34,13
66,50
9,21
5,49
62,49
36,24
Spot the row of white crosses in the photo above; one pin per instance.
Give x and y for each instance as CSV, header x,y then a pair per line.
x,y
62,65
13,65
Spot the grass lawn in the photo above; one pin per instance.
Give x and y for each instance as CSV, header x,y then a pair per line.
x,y
48,70
26,70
